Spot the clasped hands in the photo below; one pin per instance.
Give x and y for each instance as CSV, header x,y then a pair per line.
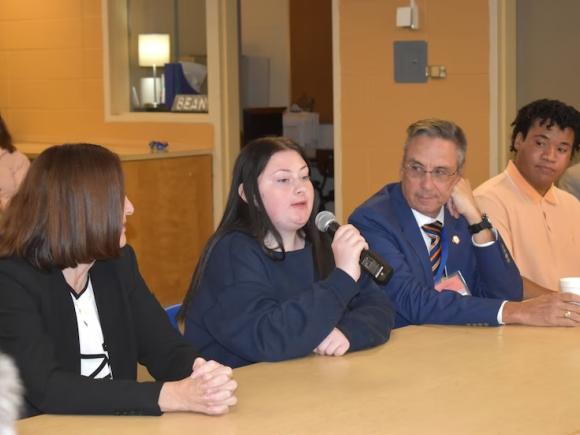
x,y
209,390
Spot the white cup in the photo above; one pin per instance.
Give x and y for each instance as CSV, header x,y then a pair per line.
x,y
570,284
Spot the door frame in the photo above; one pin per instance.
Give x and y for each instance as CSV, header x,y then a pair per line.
x,y
503,90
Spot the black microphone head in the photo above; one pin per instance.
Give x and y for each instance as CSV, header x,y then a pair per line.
x,y
323,220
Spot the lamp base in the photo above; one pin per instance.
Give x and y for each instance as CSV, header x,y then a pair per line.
x,y
149,89
149,107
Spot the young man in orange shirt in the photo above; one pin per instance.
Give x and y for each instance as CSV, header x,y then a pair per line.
x,y
538,221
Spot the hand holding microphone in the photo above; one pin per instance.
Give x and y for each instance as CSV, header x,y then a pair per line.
x,y
347,246
348,239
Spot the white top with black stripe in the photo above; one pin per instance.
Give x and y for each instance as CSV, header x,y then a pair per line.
x,y
94,356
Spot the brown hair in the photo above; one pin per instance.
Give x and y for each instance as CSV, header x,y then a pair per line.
x,y
5,138
68,210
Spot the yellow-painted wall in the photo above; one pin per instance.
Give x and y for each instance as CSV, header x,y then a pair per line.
x,y
51,83
51,79
376,110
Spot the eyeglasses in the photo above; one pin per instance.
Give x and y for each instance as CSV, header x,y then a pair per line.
x,y
418,171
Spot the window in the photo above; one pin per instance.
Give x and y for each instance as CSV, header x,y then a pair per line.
x,y
155,51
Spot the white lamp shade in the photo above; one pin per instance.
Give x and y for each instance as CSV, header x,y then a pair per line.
x,y
153,49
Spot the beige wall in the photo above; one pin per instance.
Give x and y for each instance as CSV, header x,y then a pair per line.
x,y
51,79
51,82
266,33
548,36
376,111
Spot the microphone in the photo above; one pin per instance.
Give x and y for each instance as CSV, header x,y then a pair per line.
x,y
370,261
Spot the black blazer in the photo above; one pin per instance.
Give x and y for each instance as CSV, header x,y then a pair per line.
x,y
38,328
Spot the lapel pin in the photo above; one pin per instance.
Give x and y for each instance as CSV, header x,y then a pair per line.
x,y
455,240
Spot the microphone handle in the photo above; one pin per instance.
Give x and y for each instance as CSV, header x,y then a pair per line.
x,y
332,228
379,269
370,261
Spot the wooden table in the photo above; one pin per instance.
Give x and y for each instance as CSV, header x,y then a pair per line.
x,y
426,380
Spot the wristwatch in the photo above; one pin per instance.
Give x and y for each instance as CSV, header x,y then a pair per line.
x,y
485,224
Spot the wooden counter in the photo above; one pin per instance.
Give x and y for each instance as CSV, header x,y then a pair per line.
x,y
125,152
426,380
172,195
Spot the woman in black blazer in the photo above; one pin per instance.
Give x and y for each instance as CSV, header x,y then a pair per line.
x,y
75,313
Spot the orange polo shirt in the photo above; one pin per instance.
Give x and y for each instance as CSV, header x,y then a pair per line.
x,y
541,232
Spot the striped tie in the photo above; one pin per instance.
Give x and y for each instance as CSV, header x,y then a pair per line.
x,y
433,231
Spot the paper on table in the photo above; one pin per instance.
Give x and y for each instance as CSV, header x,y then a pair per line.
x,y
454,282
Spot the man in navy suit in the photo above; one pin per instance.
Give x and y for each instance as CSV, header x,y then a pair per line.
x,y
451,266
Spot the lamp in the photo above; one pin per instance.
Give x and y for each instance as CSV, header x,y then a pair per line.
x,y
153,51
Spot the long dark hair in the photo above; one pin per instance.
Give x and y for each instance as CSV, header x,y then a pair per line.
x,y
5,138
249,216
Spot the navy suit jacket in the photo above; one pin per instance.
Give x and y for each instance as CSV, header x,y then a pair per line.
x,y
389,226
